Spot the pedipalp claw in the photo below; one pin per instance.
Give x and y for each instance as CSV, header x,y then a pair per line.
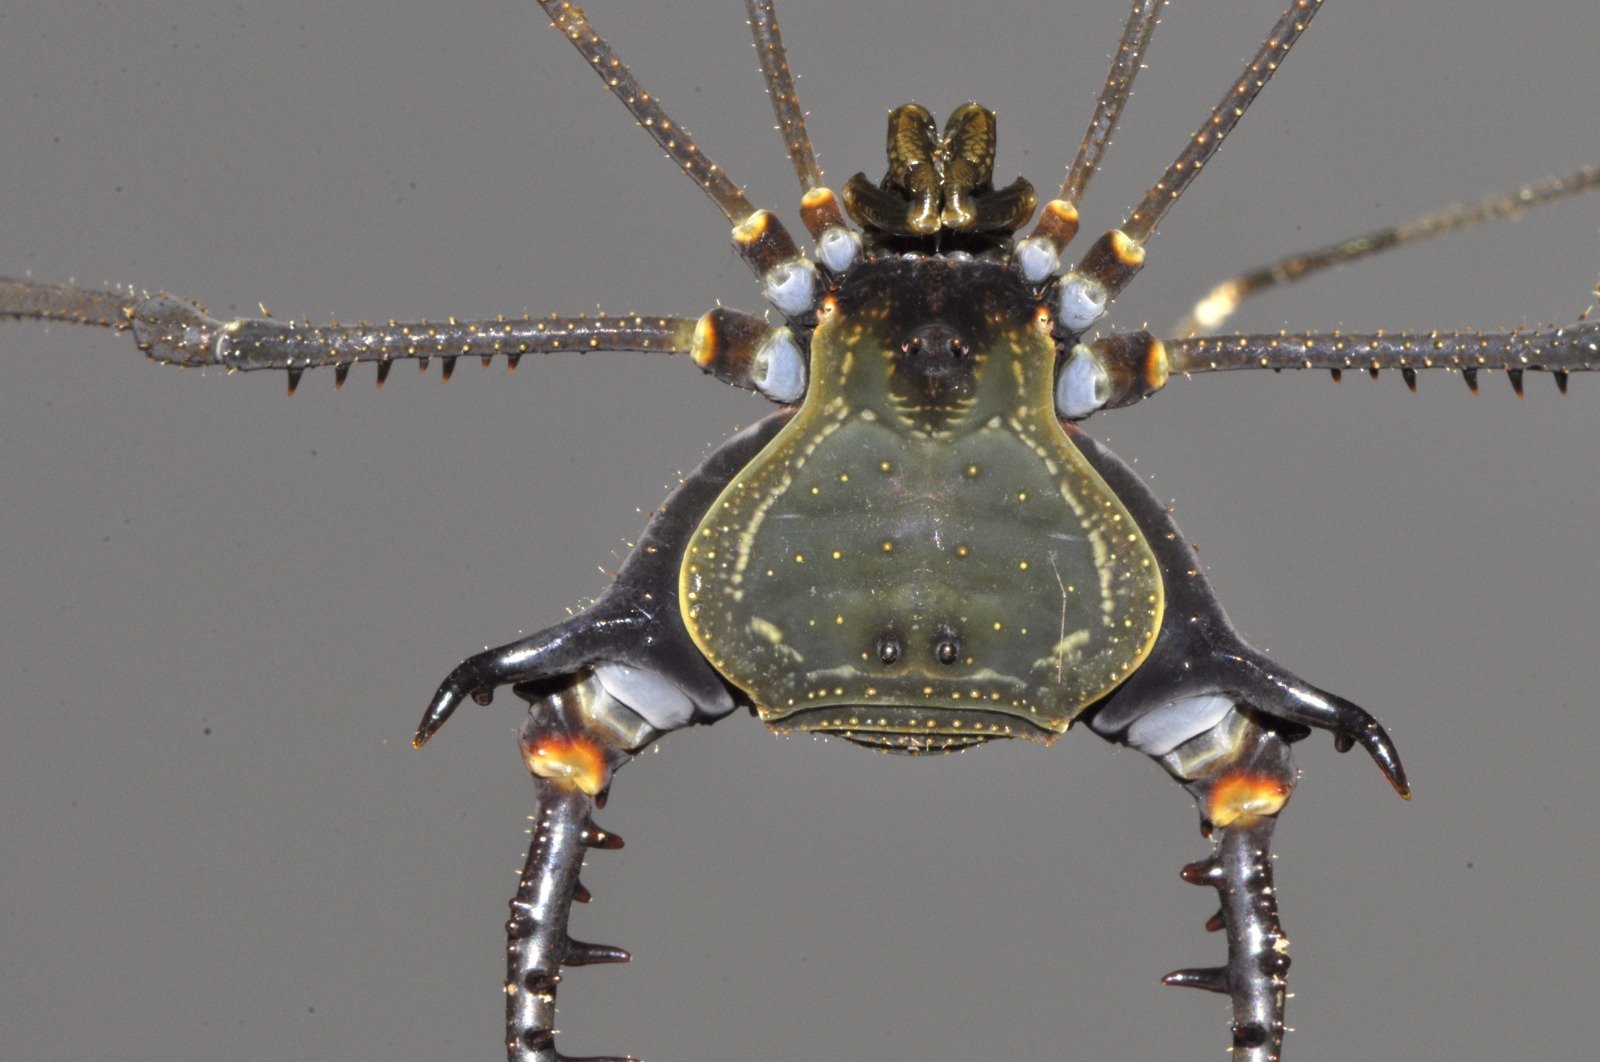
x,y
1352,725
461,684
1372,737
475,677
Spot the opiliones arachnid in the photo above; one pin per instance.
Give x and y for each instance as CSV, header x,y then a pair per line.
x,y
198,566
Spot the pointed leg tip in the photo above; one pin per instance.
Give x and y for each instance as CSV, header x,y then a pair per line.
x,y
439,711
1387,757
425,730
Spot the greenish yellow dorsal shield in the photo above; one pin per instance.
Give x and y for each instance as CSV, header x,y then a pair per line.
x,y
922,550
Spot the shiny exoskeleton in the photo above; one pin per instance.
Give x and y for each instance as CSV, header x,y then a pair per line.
x,y
921,558
919,551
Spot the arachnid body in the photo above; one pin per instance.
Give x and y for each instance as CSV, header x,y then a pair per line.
x,y
1407,558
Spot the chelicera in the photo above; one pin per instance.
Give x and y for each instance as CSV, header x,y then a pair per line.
x,y
935,314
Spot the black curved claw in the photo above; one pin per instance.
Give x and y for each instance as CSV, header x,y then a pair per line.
x,y
1267,687
465,681
1372,737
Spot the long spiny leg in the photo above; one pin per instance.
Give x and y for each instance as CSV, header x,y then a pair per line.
x,y
1142,19
1558,351
1117,257
737,348
674,140
820,209
1130,366
1208,138
573,746
788,277
1058,222
1241,775
1221,301
780,87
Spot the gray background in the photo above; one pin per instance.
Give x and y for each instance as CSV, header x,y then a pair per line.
x,y
225,609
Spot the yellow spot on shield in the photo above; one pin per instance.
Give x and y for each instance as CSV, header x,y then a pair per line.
x,y
767,629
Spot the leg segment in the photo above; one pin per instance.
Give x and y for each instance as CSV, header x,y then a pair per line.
x,y
575,738
780,87
1241,775
601,686
179,332
1220,302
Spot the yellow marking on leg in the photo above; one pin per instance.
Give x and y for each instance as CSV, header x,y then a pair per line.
x,y
1243,797
575,763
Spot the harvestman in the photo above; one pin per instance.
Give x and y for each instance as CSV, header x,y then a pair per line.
x,y
1235,760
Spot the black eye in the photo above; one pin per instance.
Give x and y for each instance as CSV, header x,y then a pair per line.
x,y
888,649
947,649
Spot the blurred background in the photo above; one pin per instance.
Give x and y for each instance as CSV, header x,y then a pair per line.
x,y
223,609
